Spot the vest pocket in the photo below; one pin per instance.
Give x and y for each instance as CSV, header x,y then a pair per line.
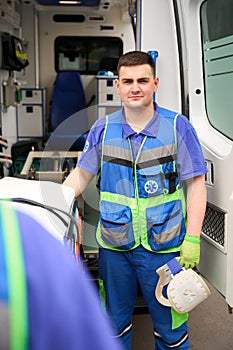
x,y
165,225
150,181
116,225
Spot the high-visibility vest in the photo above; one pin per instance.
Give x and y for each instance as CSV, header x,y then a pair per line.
x,y
142,200
13,285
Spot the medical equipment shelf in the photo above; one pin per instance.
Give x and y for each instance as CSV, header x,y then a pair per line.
x,y
108,101
30,115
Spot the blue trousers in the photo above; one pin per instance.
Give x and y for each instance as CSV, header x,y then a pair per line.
x,y
121,273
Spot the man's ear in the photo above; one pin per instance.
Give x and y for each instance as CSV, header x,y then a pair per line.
x,y
156,83
117,83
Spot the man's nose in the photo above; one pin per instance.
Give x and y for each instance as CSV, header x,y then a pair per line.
x,y
135,86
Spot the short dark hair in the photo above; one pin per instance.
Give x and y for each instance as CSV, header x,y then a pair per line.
x,y
134,58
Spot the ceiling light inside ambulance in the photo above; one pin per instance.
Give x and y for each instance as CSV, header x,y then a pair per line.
x,y
70,2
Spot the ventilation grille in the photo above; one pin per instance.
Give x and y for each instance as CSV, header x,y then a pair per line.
x,y
214,224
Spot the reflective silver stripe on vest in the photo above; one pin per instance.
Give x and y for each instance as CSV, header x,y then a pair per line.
x,y
158,154
4,327
117,152
111,152
119,237
145,155
168,234
147,158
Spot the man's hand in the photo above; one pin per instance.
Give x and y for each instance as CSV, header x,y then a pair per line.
x,y
190,252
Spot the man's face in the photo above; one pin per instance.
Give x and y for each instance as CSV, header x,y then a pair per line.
x,y
136,85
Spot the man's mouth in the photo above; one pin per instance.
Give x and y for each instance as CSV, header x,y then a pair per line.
x,y
135,97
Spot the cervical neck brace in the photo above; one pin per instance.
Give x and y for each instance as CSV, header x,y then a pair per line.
x,y
186,289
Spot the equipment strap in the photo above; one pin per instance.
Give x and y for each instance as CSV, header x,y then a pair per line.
x,y
174,266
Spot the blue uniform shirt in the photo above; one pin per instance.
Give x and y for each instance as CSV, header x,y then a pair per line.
x,y
190,159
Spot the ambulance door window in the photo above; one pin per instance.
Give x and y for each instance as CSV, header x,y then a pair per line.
x,y
217,44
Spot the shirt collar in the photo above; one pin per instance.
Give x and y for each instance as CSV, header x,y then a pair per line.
x,y
151,128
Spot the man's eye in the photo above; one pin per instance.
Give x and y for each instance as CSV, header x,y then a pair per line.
x,y
143,81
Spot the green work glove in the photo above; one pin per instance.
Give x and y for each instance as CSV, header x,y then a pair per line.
x,y
190,252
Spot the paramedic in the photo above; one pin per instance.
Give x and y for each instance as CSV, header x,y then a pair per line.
x,y
46,299
151,176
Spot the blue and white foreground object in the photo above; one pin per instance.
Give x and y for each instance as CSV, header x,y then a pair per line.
x,y
47,299
48,202
186,289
